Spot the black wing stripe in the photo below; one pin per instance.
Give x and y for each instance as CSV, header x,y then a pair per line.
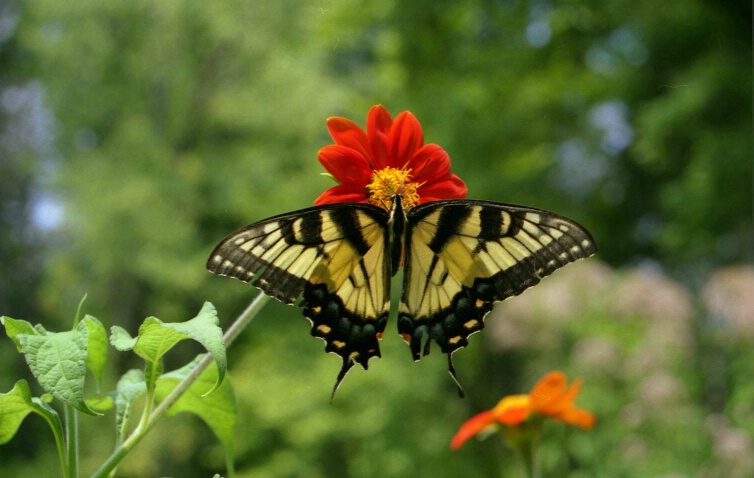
x,y
537,257
569,242
515,223
491,224
307,230
349,228
429,273
513,279
273,280
448,223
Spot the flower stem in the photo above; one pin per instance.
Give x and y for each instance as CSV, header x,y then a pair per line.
x,y
524,439
72,441
230,335
527,451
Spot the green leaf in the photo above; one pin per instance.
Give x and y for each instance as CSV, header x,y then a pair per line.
x,y
130,386
156,338
328,175
14,328
217,411
58,361
100,402
205,329
121,339
96,347
16,404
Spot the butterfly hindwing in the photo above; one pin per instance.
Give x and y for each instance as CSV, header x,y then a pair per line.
x,y
462,256
329,259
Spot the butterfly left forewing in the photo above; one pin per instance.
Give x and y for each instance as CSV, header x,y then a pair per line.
x,y
462,256
331,260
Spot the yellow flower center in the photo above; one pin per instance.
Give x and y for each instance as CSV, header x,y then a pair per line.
x,y
388,182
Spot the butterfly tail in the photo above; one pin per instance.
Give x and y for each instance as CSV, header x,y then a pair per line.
x,y
452,372
347,364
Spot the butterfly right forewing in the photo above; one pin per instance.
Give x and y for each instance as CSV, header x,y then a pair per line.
x,y
464,255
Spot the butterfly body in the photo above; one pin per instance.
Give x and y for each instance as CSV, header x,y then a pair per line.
x,y
459,258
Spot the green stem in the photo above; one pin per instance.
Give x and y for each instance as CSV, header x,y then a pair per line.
x,y
60,439
229,337
527,450
146,413
524,439
244,319
72,442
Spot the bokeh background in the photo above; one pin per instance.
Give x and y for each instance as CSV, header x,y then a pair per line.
x,y
135,134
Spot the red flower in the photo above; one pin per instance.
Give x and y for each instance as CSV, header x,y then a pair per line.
x,y
389,158
550,398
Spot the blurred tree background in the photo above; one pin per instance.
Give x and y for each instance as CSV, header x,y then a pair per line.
x,y
134,135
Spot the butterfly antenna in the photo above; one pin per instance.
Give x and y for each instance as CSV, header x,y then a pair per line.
x,y
452,371
371,168
347,364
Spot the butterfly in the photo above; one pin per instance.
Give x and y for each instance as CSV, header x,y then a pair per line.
x,y
459,257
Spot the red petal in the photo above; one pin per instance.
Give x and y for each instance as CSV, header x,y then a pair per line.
x,y
514,416
347,165
549,393
379,123
404,140
341,193
471,427
452,187
580,418
347,133
378,119
429,163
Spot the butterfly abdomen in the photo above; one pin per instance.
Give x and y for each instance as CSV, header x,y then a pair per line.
x,y
396,234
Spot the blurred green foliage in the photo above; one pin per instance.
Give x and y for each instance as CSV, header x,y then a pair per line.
x,y
136,134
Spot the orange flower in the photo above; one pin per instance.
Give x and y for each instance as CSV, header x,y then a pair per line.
x,y
550,398
389,158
